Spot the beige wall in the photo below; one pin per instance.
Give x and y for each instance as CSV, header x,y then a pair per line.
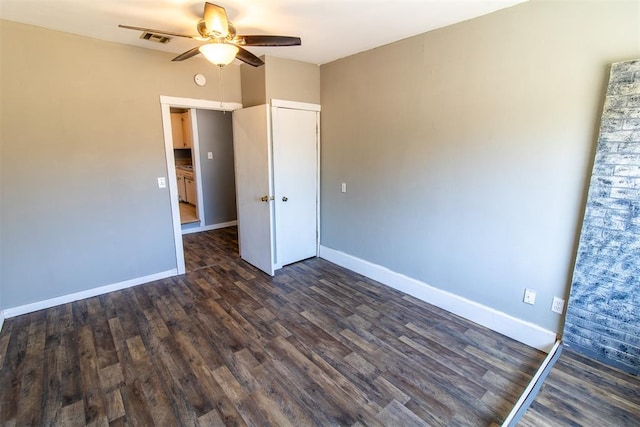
x,y
253,80
81,149
280,79
466,150
292,80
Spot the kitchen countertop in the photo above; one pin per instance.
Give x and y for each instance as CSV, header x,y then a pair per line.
x,y
186,171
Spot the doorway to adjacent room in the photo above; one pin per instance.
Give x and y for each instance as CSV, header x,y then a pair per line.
x,y
201,154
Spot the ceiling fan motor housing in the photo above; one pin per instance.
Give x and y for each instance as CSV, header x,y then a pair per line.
x,y
205,33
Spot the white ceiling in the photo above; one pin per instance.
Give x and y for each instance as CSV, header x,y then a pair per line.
x,y
330,29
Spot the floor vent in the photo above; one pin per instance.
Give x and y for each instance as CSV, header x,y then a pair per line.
x,y
154,37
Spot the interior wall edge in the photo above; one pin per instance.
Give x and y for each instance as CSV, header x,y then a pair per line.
x,y
525,332
76,296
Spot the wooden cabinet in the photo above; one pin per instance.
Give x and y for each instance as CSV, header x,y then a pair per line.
x,y
187,138
190,191
176,130
182,193
186,186
181,130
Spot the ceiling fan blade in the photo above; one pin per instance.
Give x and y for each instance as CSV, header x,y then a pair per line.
x,y
188,54
216,19
248,57
268,41
151,30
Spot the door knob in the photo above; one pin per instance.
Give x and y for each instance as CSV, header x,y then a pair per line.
x,y
284,199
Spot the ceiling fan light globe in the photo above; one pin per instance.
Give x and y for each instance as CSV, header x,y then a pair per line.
x,y
219,53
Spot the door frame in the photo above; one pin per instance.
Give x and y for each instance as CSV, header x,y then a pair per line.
x,y
195,154
166,102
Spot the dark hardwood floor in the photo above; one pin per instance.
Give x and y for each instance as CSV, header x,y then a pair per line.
x,y
210,248
227,345
583,392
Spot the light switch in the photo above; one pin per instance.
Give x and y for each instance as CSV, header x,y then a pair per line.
x,y
209,155
162,182
343,188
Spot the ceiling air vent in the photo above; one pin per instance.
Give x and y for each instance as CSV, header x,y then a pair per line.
x,y
154,37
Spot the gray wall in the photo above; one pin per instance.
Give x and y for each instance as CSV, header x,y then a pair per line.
x,y
81,149
215,135
603,320
466,150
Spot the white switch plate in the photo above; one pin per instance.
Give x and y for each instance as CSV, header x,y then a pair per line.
x,y
343,187
529,296
162,182
558,305
209,155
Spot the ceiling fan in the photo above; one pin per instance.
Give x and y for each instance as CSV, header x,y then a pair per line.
x,y
223,42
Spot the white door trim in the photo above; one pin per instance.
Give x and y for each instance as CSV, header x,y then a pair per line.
x,y
203,104
195,142
318,181
282,103
166,102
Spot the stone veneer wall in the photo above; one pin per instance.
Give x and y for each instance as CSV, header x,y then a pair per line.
x,y
603,315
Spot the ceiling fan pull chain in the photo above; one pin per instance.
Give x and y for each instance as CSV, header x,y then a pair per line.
x,y
221,87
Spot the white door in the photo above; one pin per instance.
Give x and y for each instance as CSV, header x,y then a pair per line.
x,y
252,153
295,165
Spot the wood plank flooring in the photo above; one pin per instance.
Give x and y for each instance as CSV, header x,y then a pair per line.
x,y
227,345
210,248
583,392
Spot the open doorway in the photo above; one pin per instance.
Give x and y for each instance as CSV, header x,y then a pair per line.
x,y
211,188
182,133
203,159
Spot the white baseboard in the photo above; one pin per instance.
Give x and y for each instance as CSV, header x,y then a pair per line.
x,y
41,305
518,329
1,319
209,227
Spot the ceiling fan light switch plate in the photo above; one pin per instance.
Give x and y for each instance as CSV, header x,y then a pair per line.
x,y
200,79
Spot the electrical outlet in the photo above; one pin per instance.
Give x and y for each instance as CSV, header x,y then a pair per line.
x,y
162,182
209,155
529,296
558,305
